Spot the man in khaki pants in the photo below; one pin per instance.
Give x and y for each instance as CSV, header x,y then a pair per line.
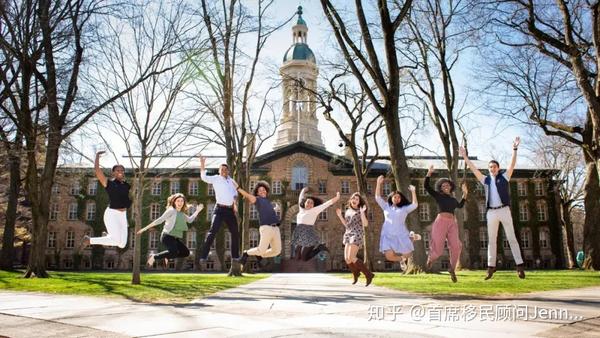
x,y
270,237
497,198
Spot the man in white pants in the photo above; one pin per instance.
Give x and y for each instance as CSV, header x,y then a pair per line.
x,y
497,198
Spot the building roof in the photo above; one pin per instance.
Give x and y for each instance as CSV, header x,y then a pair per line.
x,y
299,51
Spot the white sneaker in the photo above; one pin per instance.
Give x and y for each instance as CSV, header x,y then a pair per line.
x,y
414,237
403,266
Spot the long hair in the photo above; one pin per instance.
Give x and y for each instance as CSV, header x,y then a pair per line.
x,y
403,200
361,201
171,202
261,184
438,185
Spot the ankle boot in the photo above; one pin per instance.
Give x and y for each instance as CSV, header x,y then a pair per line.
x,y
363,268
355,272
490,272
521,271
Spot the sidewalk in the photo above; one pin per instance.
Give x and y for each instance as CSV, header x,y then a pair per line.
x,y
301,305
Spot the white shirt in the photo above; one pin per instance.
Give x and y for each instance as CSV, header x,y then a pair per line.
x,y
225,192
494,196
309,216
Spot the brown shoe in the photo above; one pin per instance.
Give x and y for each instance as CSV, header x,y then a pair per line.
x,y
453,276
363,268
355,272
521,271
490,272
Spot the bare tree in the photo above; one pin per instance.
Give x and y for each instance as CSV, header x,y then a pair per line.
x,y
545,60
367,49
435,42
52,61
558,153
227,87
147,120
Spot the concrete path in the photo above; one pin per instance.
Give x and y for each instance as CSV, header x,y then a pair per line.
x,y
305,305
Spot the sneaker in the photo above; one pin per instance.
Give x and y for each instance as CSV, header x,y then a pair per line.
x,y
150,261
244,258
414,237
403,265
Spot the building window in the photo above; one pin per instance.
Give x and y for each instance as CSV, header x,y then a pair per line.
x,y
426,239
323,186
227,240
277,208
175,187
51,239
253,212
211,190
276,188
55,189
252,186
91,211
191,239
209,211
54,212
323,215
193,188
254,236
523,212
154,211
75,188
483,238
299,176
544,238
72,214
370,214
482,211
68,263
421,188
539,188
70,240
542,211
156,188
324,237
525,238
345,187
505,243
387,188
153,245
92,187
522,188
110,264
424,211
369,188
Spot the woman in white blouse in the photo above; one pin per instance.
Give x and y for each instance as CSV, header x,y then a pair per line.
x,y
305,238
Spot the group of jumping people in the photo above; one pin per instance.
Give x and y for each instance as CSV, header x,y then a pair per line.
x,y
396,241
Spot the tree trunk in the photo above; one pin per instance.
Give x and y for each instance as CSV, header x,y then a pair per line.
x,y
567,223
591,228
7,257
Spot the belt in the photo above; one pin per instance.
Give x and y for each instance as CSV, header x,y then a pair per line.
x,y
496,208
445,215
225,206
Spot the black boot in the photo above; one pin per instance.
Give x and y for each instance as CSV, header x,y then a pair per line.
x,y
490,272
521,271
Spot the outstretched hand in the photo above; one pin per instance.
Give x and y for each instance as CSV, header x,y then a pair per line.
x,y
363,209
411,188
516,142
430,171
100,153
465,189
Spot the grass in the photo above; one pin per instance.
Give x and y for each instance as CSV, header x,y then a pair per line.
x,y
471,283
155,287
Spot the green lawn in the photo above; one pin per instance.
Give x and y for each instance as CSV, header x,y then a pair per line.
x,y
472,283
155,287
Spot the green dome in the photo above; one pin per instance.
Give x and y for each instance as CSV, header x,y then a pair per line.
x,y
299,51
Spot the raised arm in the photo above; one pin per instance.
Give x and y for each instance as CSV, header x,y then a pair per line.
x,y
193,216
472,166
301,196
363,216
513,160
380,201
327,204
338,212
427,182
99,174
415,203
465,192
251,198
203,176
158,221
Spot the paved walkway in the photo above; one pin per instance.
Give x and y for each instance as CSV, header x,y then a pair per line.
x,y
304,305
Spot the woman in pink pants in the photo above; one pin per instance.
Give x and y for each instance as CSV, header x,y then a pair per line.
x,y
445,226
